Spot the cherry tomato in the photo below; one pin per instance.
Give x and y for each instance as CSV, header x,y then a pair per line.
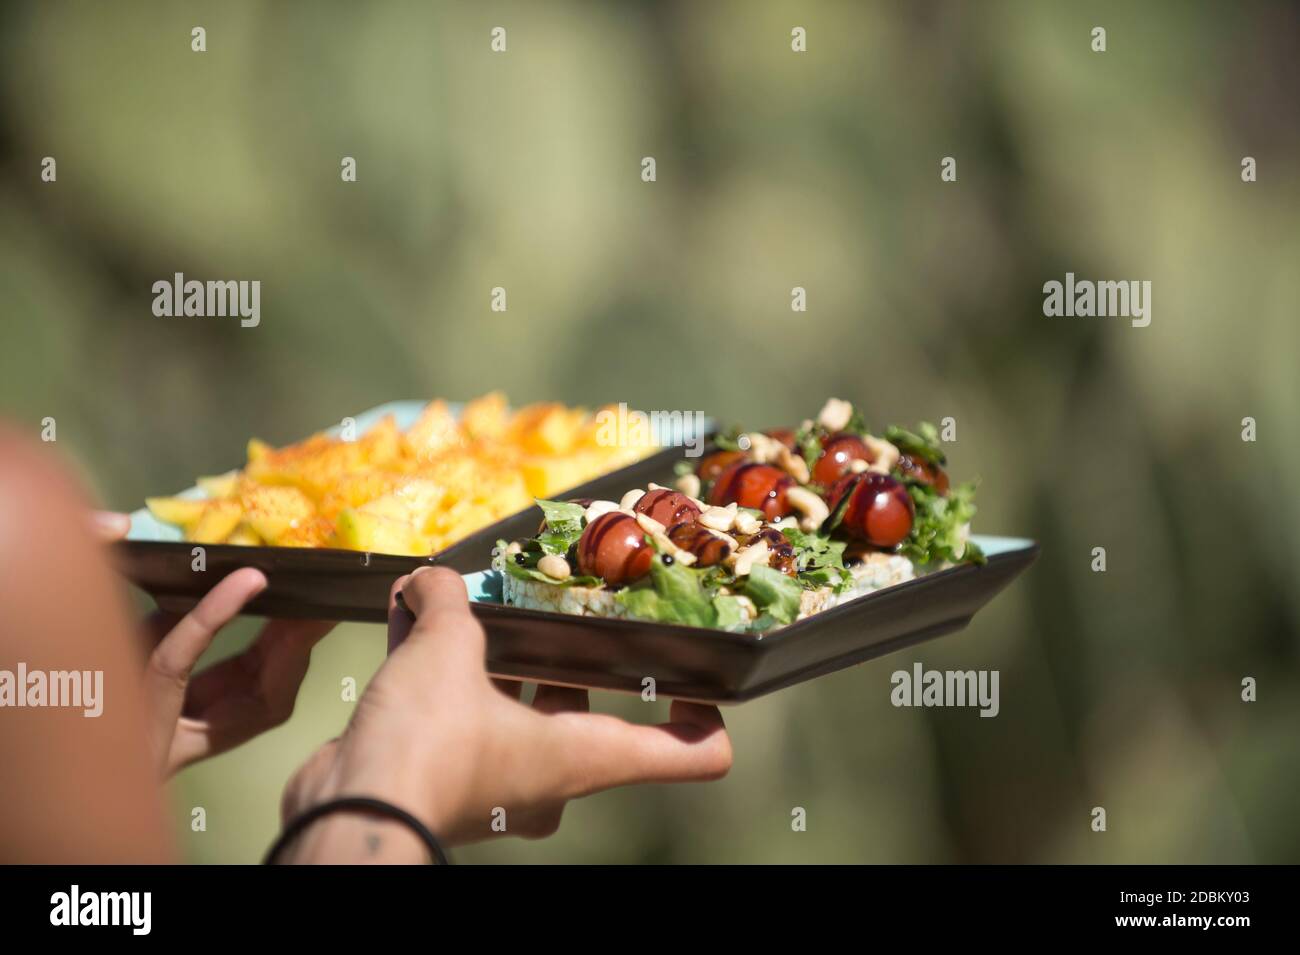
x,y
921,470
711,465
614,547
759,486
838,453
667,507
879,510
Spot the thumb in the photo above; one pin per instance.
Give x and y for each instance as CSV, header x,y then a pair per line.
x,y
167,673
437,598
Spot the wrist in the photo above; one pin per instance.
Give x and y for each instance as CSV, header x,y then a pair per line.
x,y
398,776
360,834
356,837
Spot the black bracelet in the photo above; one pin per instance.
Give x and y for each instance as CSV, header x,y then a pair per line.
x,y
377,806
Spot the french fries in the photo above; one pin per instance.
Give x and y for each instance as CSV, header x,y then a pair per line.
x,y
413,493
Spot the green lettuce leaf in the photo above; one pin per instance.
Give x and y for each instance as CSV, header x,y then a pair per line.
x,y
729,614
936,530
819,560
563,526
808,441
728,440
528,569
774,594
923,443
674,594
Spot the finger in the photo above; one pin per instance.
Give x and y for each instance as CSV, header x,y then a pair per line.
x,y
173,660
703,716
181,648
438,590
560,699
290,640
156,626
110,526
243,696
270,672
603,751
443,623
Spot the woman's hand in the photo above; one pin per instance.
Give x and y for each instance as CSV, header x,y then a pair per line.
x,y
233,701
435,736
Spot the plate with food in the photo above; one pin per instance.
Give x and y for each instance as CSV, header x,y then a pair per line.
x,y
777,557
333,519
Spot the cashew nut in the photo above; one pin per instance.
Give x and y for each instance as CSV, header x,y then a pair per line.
x,y
649,524
747,523
756,553
811,507
886,454
719,518
597,508
792,464
835,414
666,546
763,449
555,566
731,541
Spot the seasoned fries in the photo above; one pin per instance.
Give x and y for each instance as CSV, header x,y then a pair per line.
x,y
393,492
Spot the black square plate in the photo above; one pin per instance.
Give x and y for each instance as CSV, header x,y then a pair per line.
x,y
714,666
327,584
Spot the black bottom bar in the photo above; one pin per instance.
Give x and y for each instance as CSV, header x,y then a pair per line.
x,y
209,905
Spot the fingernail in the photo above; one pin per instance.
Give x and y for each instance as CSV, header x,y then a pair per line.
x,y
110,524
400,600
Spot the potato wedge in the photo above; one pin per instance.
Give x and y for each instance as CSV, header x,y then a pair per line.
x,y
435,432
271,511
245,536
217,522
312,532
175,510
358,530
486,418
413,504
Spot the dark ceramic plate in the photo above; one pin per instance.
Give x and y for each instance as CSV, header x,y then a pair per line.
x,y
324,584
718,667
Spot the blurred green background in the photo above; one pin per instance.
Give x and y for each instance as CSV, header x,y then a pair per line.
x,y
775,169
